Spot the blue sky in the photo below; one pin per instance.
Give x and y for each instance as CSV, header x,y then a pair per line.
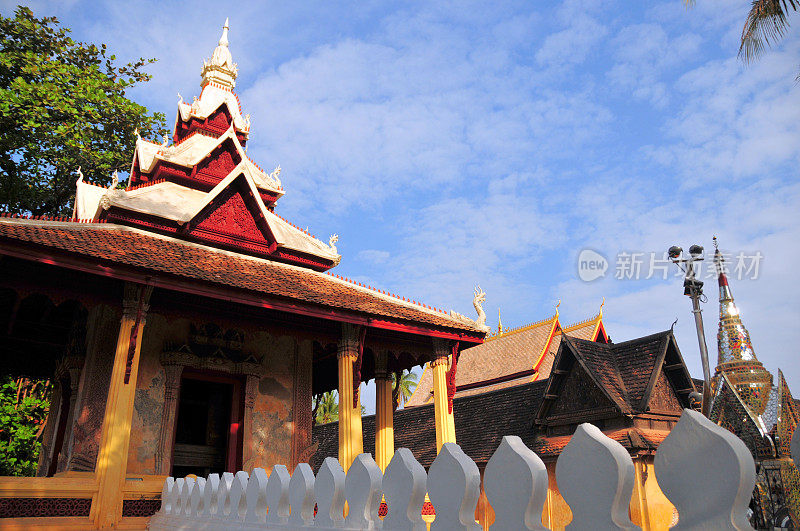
x,y
455,144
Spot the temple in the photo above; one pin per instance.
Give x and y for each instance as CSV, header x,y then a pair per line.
x,y
511,357
763,415
186,326
540,382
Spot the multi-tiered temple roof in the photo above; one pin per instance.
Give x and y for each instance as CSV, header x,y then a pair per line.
x,y
202,186
199,215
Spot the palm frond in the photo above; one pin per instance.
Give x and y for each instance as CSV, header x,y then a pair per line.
x,y
765,24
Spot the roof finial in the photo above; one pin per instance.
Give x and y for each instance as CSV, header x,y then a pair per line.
x,y
499,323
223,40
557,305
601,306
220,69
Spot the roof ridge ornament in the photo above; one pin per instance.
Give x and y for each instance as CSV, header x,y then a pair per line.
x,y
220,69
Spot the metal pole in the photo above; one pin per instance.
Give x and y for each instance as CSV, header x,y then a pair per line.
x,y
701,339
694,289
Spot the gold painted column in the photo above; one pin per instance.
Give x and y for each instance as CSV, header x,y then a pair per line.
x,y
384,412
351,437
112,460
445,426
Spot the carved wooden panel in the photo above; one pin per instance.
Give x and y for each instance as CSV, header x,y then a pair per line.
x,y
233,217
578,393
219,120
664,397
301,408
221,161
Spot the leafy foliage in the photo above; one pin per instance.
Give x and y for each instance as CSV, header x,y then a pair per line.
x,y
766,23
326,407
23,411
406,387
62,106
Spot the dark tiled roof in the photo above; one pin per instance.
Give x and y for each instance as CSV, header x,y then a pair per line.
x,y
510,411
602,367
481,422
636,360
623,370
160,254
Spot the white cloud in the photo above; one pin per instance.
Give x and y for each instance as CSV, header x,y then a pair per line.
x,y
373,256
453,145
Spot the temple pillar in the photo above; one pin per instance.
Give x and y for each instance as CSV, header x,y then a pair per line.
x,y
166,433
351,437
445,425
384,412
112,460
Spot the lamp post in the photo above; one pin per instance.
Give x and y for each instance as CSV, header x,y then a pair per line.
x,y
693,288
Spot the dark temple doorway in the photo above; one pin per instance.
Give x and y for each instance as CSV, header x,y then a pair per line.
x,y
207,434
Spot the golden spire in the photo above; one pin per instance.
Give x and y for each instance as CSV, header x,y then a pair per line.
x,y
736,357
499,323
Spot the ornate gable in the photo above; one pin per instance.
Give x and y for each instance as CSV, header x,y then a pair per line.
x,y
578,394
572,394
219,163
233,218
219,120
663,399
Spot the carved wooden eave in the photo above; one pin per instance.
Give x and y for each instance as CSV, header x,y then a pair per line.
x,y
218,361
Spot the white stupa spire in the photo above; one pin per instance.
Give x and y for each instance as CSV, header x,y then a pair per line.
x,y
223,40
220,69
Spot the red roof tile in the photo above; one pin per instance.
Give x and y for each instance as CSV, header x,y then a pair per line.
x,y
161,254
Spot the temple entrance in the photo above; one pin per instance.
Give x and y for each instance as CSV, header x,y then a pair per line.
x,y
207,434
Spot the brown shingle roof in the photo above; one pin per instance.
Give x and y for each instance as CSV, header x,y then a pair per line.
x,y
481,422
516,352
510,410
161,254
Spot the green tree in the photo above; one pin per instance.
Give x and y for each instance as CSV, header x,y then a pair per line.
x,y
406,387
766,23
326,407
23,411
63,105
